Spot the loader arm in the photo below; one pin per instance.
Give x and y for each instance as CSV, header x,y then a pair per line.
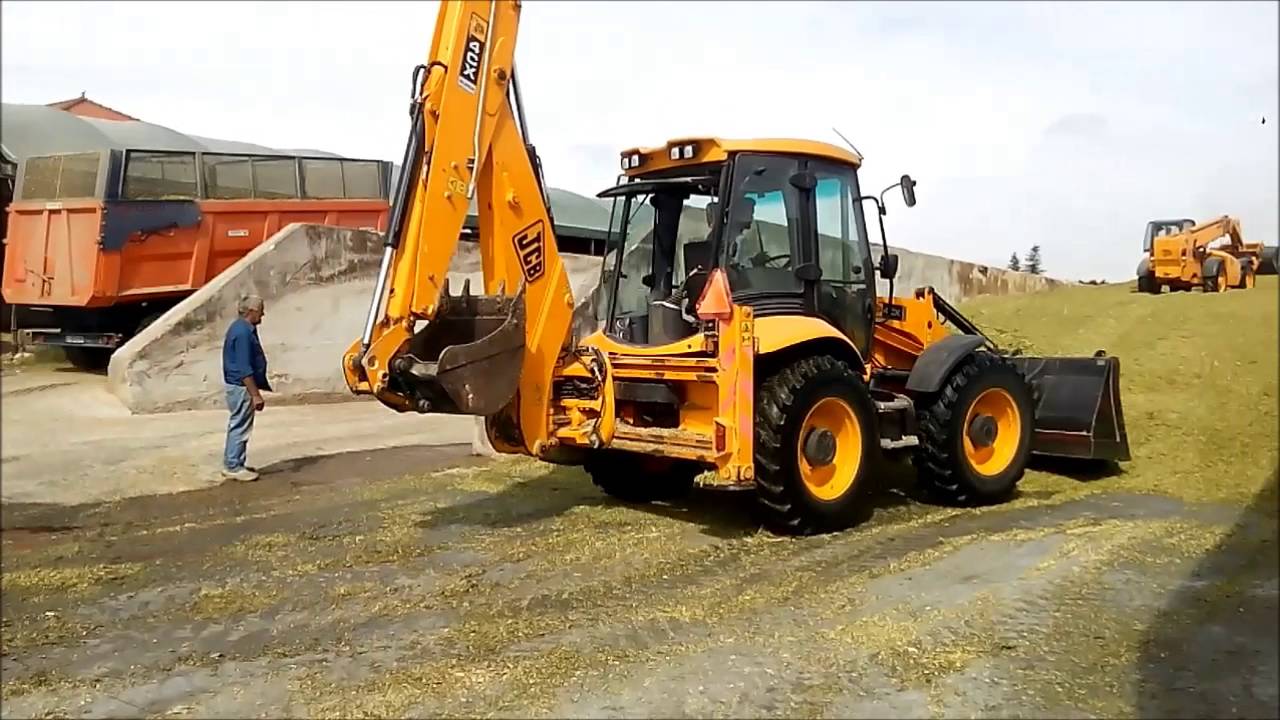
x,y
423,348
1205,233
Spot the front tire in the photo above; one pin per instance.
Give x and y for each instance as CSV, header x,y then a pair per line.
x,y
1215,276
975,433
815,443
1147,284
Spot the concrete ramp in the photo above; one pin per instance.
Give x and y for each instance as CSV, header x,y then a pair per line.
x,y
316,281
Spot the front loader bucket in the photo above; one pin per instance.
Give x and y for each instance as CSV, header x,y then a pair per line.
x,y
467,359
1078,411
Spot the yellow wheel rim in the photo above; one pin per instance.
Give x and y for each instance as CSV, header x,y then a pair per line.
x,y
830,480
1248,280
1222,282
993,455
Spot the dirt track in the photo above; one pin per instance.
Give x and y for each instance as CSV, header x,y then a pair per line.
x,y
365,585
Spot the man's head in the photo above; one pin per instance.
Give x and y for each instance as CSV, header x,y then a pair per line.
x,y
252,309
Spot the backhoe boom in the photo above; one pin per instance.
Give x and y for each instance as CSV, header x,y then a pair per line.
x,y
423,348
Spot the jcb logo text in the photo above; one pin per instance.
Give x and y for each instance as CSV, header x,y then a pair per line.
x,y
531,251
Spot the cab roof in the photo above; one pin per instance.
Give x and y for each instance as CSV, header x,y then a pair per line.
x,y
714,149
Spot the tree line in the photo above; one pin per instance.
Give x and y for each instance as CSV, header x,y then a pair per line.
x,y
1031,265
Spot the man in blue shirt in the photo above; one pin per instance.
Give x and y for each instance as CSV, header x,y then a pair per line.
x,y
244,371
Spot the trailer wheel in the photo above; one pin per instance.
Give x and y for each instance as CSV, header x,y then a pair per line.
x,y
146,321
636,478
89,359
975,433
815,443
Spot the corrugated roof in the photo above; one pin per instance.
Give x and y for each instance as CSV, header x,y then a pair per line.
x,y
574,213
41,130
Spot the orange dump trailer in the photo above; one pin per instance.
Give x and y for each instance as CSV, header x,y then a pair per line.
x,y
100,244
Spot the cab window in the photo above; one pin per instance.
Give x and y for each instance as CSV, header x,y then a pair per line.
x,y
762,226
840,250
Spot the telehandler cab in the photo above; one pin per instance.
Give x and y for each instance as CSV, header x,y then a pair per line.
x,y
739,328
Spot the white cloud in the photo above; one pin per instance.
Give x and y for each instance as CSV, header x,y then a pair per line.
x,y
1063,124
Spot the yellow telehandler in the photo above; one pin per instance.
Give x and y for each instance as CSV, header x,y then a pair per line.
x,y
739,327
1181,255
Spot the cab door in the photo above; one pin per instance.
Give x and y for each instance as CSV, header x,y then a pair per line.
x,y
845,290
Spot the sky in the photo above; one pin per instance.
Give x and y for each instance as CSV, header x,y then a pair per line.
x,y
1068,125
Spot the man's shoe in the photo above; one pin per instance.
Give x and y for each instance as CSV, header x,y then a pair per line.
x,y
244,474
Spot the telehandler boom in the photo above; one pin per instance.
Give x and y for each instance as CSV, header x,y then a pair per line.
x,y
1181,255
739,328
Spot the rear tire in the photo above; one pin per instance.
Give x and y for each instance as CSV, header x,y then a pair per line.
x,y
1147,284
951,464
89,359
804,485
636,478
1246,275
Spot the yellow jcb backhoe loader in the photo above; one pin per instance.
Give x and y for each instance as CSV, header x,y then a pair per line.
x,y
1181,255
739,325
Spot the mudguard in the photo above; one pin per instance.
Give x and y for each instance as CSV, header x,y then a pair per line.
x,y
938,360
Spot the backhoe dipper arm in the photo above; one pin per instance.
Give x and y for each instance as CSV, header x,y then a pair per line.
x,y
422,348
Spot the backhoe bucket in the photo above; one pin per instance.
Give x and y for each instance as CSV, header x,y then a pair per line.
x,y
467,359
1078,411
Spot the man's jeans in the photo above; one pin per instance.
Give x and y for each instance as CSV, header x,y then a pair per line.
x,y
238,427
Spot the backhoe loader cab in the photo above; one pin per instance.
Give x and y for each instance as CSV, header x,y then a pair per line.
x,y
781,220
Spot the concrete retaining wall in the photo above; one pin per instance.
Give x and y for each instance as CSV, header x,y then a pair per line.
x,y
957,280
316,282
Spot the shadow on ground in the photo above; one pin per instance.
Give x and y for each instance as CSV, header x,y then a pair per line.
x,y
725,514
1081,469
1212,649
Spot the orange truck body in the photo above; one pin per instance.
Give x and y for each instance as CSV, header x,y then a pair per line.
x,y
99,244
55,256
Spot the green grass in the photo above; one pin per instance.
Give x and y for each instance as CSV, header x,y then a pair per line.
x,y
1198,377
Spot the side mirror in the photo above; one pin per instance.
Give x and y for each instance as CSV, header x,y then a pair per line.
x,y
889,265
908,191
